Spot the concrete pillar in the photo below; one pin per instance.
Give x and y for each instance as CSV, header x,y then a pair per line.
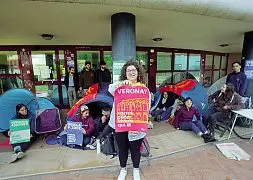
x,y
123,40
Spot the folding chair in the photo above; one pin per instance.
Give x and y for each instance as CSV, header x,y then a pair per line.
x,y
226,125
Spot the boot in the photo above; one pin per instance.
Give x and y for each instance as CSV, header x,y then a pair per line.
x,y
159,118
208,138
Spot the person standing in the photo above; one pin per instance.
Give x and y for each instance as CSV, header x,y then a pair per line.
x,y
103,74
71,83
238,79
87,77
132,74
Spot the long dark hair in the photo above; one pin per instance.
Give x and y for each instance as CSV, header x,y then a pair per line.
x,y
230,90
140,70
18,107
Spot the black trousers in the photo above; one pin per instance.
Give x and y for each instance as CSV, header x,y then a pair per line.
x,y
124,145
212,117
107,130
25,145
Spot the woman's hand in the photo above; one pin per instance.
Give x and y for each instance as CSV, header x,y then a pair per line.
x,y
134,133
83,130
126,83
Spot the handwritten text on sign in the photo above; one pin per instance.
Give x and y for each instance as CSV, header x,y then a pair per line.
x,y
131,108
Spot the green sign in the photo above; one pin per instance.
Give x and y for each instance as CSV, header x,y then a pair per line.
x,y
20,131
117,66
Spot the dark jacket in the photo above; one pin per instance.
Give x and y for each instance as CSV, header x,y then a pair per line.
x,y
103,76
87,124
239,80
185,115
99,126
86,78
218,102
169,102
76,81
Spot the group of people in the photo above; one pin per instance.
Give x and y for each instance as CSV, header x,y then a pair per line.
x,y
181,110
78,83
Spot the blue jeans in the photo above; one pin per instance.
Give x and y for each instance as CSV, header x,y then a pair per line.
x,y
165,114
195,126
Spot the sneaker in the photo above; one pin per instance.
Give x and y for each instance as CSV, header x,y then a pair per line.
x,y
91,146
92,140
20,154
136,174
17,149
122,174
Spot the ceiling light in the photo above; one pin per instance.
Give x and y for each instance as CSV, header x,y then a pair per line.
x,y
47,36
157,39
224,45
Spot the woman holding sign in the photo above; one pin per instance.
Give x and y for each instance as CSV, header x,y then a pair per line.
x,y
23,113
132,74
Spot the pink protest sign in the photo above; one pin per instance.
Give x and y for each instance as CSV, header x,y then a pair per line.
x,y
131,108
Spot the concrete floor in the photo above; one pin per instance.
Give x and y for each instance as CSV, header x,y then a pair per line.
x,y
163,139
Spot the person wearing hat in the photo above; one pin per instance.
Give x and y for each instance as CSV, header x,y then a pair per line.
x,y
87,124
103,74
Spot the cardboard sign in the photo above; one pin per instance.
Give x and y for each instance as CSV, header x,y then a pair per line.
x,y
74,133
20,131
131,108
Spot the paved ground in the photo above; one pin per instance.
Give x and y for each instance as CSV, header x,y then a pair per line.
x,y
56,158
203,163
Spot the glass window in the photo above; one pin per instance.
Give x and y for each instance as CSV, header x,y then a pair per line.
x,y
180,61
62,65
88,56
160,77
196,74
224,62
48,91
207,79
217,62
9,62
11,82
164,61
65,95
216,75
209,62
223,73
194,61
142,58
44,67
108,59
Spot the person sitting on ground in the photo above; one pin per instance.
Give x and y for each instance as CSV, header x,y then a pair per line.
x,y
23,113
87,125
184,121
176,106
164,107
101,122
221,104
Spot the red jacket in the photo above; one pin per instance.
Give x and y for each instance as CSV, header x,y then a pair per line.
x,y
87,123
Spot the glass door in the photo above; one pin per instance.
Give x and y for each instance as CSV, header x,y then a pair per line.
x,y
46,71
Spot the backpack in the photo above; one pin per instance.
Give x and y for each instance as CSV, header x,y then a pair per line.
x,y
145,148
109,145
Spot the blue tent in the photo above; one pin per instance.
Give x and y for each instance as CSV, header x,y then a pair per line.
x,y
199,97
177,77
12,97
